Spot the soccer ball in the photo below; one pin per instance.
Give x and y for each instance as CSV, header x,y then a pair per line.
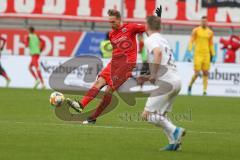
x,y
56,99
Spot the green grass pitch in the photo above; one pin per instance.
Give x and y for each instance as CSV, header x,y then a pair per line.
x,y
29,129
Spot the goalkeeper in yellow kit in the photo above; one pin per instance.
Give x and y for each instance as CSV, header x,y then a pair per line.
x,y
202,40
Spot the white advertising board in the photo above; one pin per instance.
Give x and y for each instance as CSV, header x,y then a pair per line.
x,y
224,79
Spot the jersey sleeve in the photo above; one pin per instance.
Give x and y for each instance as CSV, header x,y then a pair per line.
x,y
138,28
211,45
192,40
26,40
42,43
110,38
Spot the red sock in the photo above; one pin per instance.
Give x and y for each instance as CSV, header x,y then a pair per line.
x,y
40,76
4,74
90,95
103,104
33,73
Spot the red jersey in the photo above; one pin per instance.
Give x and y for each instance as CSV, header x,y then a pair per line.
x,y
124,42
124,45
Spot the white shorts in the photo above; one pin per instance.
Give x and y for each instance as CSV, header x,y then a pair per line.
x,y
163,103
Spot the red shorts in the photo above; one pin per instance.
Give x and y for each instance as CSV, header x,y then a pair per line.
x,y
117,72
34,60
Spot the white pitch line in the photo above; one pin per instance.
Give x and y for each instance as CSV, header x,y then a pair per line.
x,y
106,127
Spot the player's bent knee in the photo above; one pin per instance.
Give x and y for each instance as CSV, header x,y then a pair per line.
x,y
196,72
100,82
109,90
205,73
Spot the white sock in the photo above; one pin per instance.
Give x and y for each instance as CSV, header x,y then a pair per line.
x,y
162,121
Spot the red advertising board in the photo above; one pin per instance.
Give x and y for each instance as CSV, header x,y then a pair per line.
x,y
57,43
185,12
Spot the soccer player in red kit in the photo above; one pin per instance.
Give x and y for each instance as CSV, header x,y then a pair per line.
x,y
2,71
118,70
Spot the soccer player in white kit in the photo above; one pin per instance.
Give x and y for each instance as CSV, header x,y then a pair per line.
x,y
165,76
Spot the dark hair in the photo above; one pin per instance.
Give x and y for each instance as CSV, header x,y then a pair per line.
x,y
154,23
31,29
114,12
204,17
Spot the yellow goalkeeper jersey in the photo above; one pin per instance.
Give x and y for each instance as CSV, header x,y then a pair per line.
x,y
202,39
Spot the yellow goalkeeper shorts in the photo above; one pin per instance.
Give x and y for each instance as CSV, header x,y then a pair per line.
x,y
201,63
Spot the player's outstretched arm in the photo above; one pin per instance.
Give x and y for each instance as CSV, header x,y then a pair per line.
x,y
26,41
192,40
156,63
42,44
212,50
211,46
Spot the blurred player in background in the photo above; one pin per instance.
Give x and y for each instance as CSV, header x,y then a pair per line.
x,y
160,102
202,39
142,50
118,70
35,45
106,47
2,71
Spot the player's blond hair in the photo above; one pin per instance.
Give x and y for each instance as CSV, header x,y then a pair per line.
x,y
154,23
114,12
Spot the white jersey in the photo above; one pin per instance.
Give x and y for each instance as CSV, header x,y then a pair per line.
x,y
163,103
157,41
